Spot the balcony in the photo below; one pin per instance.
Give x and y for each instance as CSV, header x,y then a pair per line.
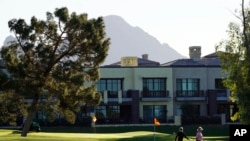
x,y
116,96
190,95
155,96
218,95
126,96
222,95
112,96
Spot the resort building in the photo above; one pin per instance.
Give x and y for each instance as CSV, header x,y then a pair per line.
x,y
135,90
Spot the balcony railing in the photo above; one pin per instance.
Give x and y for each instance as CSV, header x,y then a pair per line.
x,y
190,95
222,95
112,94
116,96
126,96
155,95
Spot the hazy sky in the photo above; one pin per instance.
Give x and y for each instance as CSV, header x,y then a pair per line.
x,y
180,23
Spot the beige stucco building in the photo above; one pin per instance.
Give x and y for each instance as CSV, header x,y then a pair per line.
x,y
137,89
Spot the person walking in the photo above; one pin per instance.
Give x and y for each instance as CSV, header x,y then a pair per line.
x,y
180,135
199,135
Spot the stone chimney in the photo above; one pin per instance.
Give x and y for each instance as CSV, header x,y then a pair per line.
x,y
195,53
145,56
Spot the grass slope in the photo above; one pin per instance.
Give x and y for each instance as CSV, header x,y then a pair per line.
x,y
140,133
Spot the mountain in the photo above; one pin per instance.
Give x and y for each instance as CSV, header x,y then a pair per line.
x,y
127,40
8,39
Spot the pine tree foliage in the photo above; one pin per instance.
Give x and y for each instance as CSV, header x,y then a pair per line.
x,y
234,54
52,66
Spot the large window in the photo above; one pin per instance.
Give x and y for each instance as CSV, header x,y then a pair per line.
x,y
189,110
154,111
110,85
108,111
154,87
154,84
188,84
101,112
113,111
187,87
221,90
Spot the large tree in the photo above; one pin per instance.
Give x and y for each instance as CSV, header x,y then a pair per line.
x,y
52,66
234,54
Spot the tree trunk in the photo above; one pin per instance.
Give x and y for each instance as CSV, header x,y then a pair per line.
x,y
31,114
27,124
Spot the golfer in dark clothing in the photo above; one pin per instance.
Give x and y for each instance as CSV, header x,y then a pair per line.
x,y
180,135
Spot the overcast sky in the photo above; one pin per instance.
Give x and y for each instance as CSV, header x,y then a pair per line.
x,y
179,23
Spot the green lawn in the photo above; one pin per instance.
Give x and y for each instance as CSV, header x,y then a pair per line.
x,y
136,133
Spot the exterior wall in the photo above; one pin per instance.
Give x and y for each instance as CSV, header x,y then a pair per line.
x,y
190,72
155,73
126,73
206,75
133,80
207,78
133,75
212,74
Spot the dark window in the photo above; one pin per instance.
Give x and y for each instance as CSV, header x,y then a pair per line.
x,y
108,111
188,87
188,84
110,85
154,84
154,111
101,112
190,110
41,115
113,111
154,87
219,84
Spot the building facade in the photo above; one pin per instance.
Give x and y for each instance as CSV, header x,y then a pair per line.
x,y
135,90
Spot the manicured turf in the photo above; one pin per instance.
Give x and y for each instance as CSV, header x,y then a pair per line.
x,y
135,133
